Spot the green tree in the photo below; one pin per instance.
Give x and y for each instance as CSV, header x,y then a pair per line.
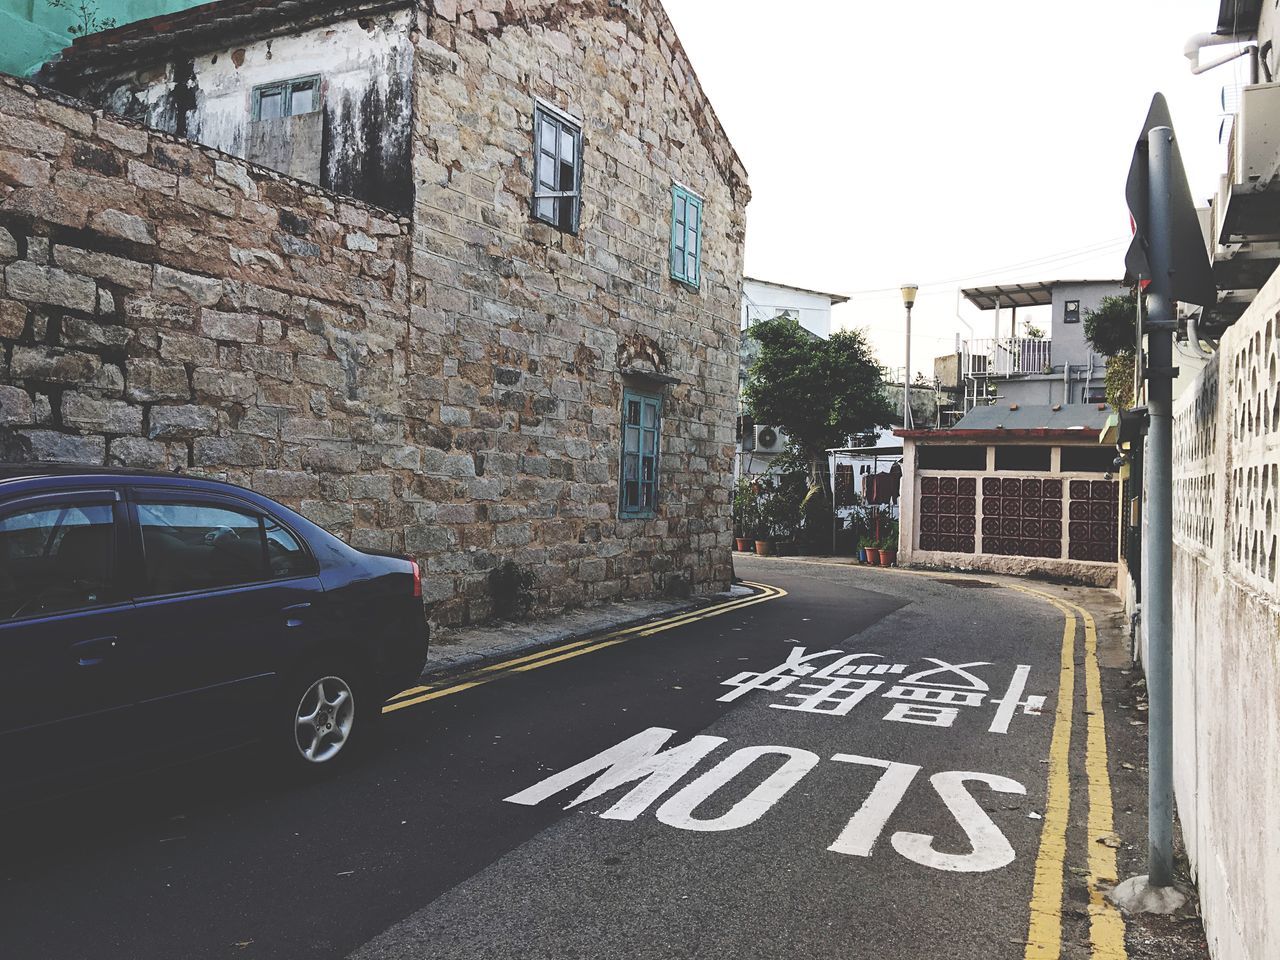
x,y
1110,327
818,391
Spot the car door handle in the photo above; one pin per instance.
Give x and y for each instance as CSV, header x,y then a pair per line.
x,y
91,653
293,613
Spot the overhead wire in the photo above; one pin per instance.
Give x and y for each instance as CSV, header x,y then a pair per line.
x,y
1049,260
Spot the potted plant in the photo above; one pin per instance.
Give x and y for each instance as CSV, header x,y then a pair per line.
x,y
889,550
776,524
873,552
746,514
767,530
863,542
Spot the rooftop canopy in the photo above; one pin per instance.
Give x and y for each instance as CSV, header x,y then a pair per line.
x,y
1003,416
1020,294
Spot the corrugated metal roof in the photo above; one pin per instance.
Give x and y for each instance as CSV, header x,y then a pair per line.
x,y
1085,416
1020,294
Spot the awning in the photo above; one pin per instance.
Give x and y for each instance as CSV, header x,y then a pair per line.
x,y
1011,295
866,451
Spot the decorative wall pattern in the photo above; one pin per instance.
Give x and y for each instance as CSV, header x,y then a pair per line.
x,y
1226,625
1195,488
1092,520
948,513
1253,546
1022,516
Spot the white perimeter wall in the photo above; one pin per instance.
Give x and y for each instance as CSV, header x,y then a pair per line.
x,y
1226,636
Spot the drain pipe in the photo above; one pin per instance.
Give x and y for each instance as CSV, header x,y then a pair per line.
x,y
1201,40
1193,337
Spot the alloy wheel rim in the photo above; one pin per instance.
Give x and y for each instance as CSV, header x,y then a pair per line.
x,y
323,719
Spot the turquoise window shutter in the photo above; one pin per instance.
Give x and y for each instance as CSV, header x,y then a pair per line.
x,y
686,236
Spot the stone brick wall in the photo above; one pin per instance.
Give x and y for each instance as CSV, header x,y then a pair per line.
x,y
521,333
449,387
164,305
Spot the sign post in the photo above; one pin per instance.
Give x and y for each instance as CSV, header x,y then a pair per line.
x,y
1168,251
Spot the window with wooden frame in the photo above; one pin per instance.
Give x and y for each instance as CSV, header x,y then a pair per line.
x,y
686,236
557,173
641,439
287,98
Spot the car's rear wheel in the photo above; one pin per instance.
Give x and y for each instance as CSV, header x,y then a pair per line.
x,y
324,719
330,711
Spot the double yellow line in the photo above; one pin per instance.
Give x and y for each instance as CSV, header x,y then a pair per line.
x,y
1106,927
576,648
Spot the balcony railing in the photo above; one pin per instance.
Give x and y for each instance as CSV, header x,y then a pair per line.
x,y
1006,356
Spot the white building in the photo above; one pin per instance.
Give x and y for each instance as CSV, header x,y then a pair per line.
x,y
759,443
1060,368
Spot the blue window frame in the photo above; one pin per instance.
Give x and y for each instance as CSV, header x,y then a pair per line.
x,y
686,236
641,439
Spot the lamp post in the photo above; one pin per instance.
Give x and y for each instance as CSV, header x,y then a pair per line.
x,y
908,300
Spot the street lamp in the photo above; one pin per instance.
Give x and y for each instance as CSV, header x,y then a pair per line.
x,y
909,291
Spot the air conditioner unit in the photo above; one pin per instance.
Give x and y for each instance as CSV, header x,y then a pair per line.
x,y
1256,136
769,440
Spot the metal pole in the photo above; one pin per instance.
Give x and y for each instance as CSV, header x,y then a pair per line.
x,y
907,422
1159,602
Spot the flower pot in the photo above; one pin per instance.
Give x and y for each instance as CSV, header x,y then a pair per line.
x,y
764,548
888,558
873,555
743,544
862,554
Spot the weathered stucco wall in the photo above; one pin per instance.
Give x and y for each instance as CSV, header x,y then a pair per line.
x,y
521,334
1226,633
206,94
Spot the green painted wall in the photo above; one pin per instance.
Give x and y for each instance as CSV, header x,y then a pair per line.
x,y
32,31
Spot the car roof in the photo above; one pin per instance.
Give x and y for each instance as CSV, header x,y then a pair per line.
x,y
19,476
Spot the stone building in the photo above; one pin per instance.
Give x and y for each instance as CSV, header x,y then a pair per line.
x,y
488,312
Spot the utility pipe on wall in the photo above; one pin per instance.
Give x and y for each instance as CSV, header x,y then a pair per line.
x,y
1201,40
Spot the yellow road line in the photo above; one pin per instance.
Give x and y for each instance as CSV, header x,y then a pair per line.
x,y
1106,926
1044,933
675,620
653,628
422,694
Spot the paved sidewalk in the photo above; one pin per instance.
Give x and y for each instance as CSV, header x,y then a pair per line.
x,y
454,649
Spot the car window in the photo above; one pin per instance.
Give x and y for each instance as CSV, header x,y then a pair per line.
x,y
56,558
285,555
188,546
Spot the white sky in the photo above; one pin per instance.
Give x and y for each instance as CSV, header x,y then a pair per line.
x,y
889,142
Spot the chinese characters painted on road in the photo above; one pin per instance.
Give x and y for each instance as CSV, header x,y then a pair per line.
x,y
933,695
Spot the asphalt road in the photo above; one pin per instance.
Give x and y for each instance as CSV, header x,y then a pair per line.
x,y
832,815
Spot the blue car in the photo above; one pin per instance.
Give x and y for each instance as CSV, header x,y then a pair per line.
x,y
146,616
